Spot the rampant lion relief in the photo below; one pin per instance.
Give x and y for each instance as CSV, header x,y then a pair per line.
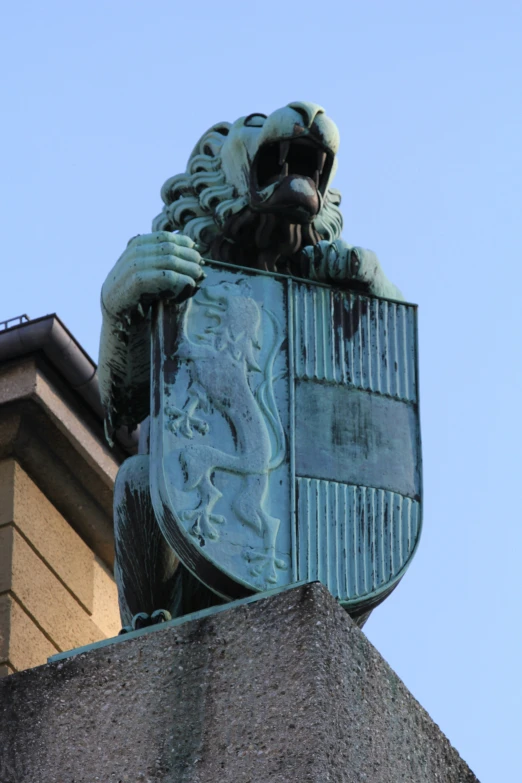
x,y
220,464
221,338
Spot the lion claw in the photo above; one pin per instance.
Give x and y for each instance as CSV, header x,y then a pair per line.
x,y
144,620
204,524
180,421
265,564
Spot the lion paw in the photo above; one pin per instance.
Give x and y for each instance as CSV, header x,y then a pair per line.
x,y
144,620
265,565
204,525
183,423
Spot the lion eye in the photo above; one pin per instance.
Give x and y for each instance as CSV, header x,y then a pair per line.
x,y
255,120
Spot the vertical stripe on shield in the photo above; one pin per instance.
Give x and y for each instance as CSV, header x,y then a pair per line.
x,y
354,340
353,539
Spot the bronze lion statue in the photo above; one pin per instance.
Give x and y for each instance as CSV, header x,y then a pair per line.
x,y
256,193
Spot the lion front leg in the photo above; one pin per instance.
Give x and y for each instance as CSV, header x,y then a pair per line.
x,y
249,508
184,420
198,466
153,267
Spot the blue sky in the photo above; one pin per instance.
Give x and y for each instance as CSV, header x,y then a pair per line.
x,y
102,101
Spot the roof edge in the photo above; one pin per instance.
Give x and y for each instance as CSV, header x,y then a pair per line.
x,y
49,335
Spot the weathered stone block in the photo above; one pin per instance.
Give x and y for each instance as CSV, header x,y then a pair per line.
x,y
282,689
50,534
105,611
52,606
22,644
23,505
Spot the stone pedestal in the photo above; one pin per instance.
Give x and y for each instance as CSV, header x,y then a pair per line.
x,y
283,689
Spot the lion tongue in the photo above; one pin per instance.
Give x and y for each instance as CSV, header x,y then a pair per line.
x,y
265,230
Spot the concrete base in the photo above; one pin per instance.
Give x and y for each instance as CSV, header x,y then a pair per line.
x,y
285,689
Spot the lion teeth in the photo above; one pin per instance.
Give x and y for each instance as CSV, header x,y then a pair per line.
x,y
284,149
316,179
321,160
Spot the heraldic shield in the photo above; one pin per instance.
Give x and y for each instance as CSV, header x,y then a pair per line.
x,y
285,441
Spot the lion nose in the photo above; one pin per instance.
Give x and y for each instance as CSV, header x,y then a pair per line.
x,y
308,111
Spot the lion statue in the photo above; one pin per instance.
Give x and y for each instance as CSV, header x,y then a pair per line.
x,y
256,193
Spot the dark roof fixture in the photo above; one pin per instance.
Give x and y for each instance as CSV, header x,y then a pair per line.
x,y
19,318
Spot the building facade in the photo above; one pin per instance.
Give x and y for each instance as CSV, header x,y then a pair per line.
x,y
57,473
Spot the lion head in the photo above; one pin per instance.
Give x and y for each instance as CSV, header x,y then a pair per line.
x,y
256,192
233,322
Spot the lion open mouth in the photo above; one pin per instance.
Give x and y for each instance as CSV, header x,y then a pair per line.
x,y
288,175
257,192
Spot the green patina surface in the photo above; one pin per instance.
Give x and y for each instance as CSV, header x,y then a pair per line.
x,y
208,488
